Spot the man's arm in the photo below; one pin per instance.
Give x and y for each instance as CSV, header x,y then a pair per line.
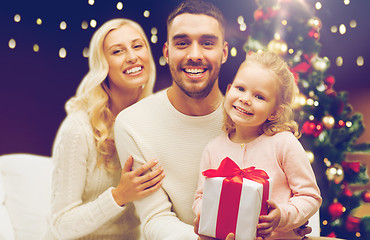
x,y
154,211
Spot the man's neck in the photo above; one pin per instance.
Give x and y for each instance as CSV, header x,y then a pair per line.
x,y
195,106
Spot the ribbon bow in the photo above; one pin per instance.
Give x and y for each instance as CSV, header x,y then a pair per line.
x,y
231,192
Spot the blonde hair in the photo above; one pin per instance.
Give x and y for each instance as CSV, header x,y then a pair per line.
x,y
93,94
286,94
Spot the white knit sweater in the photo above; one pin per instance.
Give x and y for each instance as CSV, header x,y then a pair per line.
x,y
154,129
82,203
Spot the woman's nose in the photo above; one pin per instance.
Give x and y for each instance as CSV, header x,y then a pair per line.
x,y
131,56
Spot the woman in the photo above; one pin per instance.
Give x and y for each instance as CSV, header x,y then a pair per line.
x,y
92,195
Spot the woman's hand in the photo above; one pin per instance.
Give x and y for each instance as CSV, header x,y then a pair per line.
x,y
267,223
135,185
230,236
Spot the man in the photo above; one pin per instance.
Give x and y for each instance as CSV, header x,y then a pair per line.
x,y
174,125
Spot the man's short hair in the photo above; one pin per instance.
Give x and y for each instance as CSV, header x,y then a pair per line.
x,y
198,7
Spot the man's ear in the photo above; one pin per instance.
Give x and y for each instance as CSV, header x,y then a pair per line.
x,y
225,52
165,51
276,113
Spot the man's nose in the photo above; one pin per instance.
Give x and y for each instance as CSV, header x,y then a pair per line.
x,y
195,52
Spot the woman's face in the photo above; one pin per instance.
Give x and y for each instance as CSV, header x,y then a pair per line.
x,y
128,59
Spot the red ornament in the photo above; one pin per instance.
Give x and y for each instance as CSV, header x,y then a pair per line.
x,y
258,15
347,192
366,196
313,33
353,224
335,210
353,166
332,235
313,128
329,81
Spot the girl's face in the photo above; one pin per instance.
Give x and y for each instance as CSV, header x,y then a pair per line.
x,y
252,98
128,59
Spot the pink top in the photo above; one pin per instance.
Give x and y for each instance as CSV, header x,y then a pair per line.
x,y
282,156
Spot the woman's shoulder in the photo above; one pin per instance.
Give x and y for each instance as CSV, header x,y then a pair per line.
x,y
76,122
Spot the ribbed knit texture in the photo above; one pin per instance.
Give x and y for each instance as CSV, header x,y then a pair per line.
x,y
293,186
154,129
82,203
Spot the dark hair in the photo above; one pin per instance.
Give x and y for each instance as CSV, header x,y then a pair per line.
x,y
197,7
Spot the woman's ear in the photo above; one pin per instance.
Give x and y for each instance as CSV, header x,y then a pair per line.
x,y
276,113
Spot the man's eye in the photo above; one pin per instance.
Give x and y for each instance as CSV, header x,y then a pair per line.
x,y
181,44
208,43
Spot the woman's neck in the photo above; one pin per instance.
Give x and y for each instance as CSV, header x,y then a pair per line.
x,y
122,100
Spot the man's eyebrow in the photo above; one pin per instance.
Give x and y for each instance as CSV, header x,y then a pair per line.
x,y
204,36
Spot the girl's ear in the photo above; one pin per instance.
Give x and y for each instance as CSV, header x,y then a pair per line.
x,y
276,113
228,87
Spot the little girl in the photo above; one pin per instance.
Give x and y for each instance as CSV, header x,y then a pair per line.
x,y
260,131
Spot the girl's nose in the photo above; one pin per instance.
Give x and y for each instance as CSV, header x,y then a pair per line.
x,y
245,99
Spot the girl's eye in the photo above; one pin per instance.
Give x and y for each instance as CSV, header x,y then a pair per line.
x,y
241,89
260,97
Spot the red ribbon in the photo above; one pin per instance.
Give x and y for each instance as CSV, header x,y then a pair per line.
x,y
231,192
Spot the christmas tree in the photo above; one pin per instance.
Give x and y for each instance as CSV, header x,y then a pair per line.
x,y
328,125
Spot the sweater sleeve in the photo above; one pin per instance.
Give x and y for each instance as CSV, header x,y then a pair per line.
x,y
154,211
70,217
305,199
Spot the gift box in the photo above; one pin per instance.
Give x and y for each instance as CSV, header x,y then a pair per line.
x,y
233,200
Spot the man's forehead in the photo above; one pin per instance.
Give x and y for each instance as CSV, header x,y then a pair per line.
x,y
194,24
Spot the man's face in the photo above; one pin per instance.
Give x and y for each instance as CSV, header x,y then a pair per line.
x,y
194,51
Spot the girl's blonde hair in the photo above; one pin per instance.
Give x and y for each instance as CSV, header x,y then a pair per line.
x,y
286,93
93,94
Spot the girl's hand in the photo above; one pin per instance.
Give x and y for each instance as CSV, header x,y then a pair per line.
x,y
135,185
230,236
267,223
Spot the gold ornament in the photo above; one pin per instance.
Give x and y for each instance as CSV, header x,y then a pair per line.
x,y
335,173
328,121
314,23
278,46
320,64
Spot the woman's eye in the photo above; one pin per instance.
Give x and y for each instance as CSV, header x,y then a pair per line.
x,y
117,51
138,46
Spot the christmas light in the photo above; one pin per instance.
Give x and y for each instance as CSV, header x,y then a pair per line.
x,y
353,24
119,6
339,61
346,2
243,27
12,43
318,5
93,23
36,48
17,18
84,25
162,61
360,61
342,29
38,21
154,30
334,29
233,52
146,13
63,25
240,19
62,53
91,2
85,52
154,39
